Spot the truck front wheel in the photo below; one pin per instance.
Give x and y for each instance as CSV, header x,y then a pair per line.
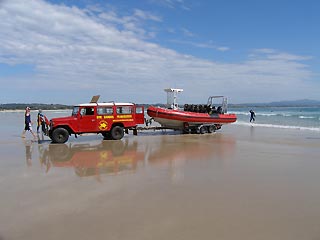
x,y
117,133
60,135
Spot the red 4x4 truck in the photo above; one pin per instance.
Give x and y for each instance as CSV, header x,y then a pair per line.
x,y
110,119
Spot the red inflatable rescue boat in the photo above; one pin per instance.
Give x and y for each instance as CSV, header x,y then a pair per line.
x,y
193,117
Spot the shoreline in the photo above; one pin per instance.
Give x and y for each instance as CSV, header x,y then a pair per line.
x,y
313,129
13,133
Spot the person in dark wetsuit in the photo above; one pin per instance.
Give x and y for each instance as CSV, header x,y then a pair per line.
x,y
252,116
28,124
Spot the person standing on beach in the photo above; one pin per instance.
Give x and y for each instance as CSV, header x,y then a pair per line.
x,y
252,116
39,120
28,124
42,122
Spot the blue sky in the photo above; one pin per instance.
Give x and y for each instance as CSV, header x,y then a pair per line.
x,y
59,51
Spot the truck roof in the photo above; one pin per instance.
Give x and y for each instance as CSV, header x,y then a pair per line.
x,y
104,104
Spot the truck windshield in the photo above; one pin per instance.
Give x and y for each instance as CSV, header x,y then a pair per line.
x,y
75,111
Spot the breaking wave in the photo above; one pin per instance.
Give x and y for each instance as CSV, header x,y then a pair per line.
x,y
316,129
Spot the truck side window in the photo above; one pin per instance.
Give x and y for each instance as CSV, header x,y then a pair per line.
x,y
105,110
87,111
75,111
139,110
124,110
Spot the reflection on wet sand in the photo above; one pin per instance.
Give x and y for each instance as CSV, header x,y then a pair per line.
x,y
115,157
191,147
106,157
176,151
28,148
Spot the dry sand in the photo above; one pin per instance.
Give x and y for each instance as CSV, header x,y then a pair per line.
x,y
239,183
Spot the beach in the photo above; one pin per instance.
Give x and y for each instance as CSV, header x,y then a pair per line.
x,y
241,182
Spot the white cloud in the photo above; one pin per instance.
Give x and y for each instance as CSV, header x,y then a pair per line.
x,y
187,32
173,4
202,45
146,15
276,55
107,54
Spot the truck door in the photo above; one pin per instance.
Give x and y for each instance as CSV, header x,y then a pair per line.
x,y
87,119
139,115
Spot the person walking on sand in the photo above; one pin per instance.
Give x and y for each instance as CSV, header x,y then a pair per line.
x,y
28,124
252,116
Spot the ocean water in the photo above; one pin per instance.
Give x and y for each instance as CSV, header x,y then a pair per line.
x,y
304,118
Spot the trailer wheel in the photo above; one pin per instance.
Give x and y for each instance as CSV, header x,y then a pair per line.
x,y
202,130
60,135
211,129
186,128
194,130
185,131
117,133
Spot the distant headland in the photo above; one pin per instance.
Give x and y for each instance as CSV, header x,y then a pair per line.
x,y
43,106
33,106
294,103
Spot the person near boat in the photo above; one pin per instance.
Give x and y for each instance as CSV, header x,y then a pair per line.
x,y
252,116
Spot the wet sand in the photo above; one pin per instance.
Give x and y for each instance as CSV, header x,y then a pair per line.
x,y
238,183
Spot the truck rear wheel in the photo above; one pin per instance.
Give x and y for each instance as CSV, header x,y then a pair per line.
x,y
117,133
60,135
106,135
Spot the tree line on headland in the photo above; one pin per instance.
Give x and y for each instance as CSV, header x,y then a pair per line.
x,y
43,106
36,106
33,106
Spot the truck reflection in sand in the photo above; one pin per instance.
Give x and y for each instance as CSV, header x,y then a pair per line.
x,y
106,157
118,157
